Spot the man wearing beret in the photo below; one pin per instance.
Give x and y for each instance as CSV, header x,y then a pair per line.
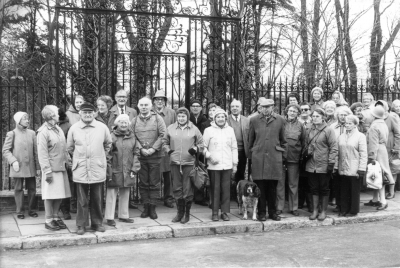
x,y
267,145
89,141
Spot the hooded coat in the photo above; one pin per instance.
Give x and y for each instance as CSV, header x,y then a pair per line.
x,y
73,115
267,146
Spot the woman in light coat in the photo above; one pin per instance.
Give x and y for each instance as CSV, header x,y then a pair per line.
x,y
122,168
322,146
317,95
53,158
20,151
351,165
377,137
182,142
220,148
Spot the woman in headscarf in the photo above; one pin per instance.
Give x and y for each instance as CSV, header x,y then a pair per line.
x,y
73,110
337,97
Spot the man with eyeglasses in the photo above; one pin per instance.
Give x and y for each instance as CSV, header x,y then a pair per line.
x,y
198,118
121,97
267,144
169,117
89,141
305,115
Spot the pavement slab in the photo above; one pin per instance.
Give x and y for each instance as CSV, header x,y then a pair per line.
x,y
142,233
39,229
9,230
58,240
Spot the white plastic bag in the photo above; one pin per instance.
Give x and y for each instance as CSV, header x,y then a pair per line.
x,y
374,176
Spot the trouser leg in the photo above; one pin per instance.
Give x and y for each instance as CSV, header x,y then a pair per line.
x,y
167,187
19,195
154,180
82,216
216,189
355,195
111,200
271,196
144,182
337,181
123,203
225,190
324,179
262,200
96,203
345,185
293,181
241,167
31,186
187,186
280,191
177,182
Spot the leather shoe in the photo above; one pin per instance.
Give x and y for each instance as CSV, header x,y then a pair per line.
x,y
372,204
34,214
111,223
224,216
214,217
67,216
295,213
278,212
383,207
274,217
61,224
262,218
389,196
168,204
128,220
81,230
351,215
53,226
336,209
98,228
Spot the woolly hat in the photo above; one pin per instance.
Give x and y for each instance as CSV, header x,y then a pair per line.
x,y
18,116
384,104
317,89
183,110
355,105
260,100
195,101
121,117
378,112
220,111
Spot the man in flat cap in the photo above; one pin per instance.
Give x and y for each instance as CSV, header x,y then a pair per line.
x,y
267,145
89,141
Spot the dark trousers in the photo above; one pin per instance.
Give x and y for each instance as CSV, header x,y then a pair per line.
x,y
268,195
168,197
69,202
149,180
241,167
183,188
30,185
319,183
220,190
334,185
89,195
304,190
350,194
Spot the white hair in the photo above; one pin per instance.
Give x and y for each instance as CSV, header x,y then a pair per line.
x,y
342,109
369,95
145,100
49,111
327,103
395,102
122,117
236,102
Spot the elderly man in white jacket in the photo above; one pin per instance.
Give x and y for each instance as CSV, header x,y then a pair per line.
x,y
220,148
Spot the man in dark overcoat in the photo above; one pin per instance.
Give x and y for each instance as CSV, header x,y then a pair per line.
x,y
267,146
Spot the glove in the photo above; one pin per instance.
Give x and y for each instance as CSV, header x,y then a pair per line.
x,y
49,177
371,161
330,168
192,151
361,174
170,152
15,166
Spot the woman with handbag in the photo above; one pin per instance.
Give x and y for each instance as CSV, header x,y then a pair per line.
x,y
321,146
220,148
377,138
351,166
53,159
182,142
122,168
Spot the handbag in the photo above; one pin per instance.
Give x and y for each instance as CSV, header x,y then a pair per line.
x,y
394,163
305,155
199,175
374,177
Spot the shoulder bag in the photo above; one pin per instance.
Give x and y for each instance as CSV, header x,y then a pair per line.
x,y
198,175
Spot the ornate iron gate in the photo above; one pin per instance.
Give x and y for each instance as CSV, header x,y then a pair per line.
x,y
188,49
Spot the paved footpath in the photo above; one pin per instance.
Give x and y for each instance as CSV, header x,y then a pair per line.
x,y
30,233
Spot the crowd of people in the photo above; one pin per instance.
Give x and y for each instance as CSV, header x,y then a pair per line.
x,y
91,157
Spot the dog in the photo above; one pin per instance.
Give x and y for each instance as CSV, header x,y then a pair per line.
x,y
247,194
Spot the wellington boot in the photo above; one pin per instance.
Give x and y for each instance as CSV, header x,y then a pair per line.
x,y
145,212
181,210
322,215
186,218
152,212
315,199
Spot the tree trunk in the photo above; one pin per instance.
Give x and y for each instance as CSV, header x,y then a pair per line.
x,y
343,65
315,41
304,40
347,45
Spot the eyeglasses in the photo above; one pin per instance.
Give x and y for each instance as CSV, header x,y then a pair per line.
x,y
159,99
196,106
305,110
121,97
293,111
87,112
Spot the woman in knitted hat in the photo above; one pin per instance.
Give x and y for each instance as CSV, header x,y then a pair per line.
x,y
122,168
317,98
21,153
220,148
182,142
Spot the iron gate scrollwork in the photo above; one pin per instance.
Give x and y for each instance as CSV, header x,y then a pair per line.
x,y
188,49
